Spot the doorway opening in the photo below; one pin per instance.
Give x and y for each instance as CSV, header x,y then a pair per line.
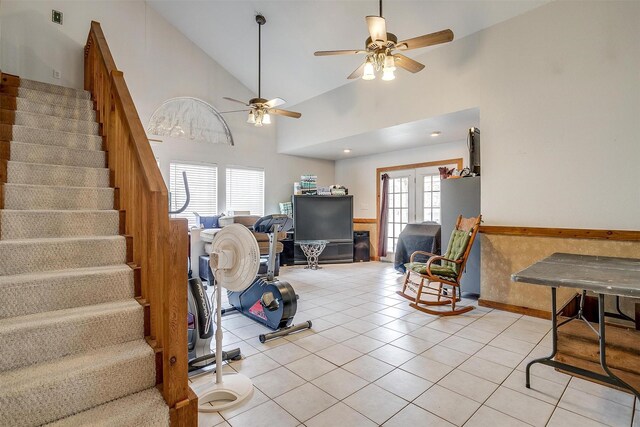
x,y
414,197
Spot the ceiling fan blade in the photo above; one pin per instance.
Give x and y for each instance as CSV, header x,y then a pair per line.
x,y
338,52
286,113
357,73
234,111
377,28
275,102
235,100
443,36
407,63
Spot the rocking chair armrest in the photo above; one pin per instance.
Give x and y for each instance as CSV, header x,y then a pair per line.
x,y
431,261
438,258
429,254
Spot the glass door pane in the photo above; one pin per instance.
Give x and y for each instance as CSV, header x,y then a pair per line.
x,y
401,207
428,194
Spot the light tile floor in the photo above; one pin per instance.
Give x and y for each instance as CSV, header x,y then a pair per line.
x,y
370,359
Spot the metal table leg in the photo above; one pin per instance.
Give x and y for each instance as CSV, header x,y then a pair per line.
x,y
619,314
609,378
554,339
615,380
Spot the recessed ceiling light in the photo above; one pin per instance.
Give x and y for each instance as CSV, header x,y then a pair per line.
x,y
347,150
436,133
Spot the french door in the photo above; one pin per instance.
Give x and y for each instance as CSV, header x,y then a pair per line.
x,y
401,207
428,194
414,197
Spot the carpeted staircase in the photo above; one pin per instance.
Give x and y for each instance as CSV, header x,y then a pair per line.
x,y
72,345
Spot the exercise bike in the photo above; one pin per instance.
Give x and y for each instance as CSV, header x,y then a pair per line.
x,y
200,330
199,317
267,300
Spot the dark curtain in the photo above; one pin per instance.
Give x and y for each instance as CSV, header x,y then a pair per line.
x,y
384,211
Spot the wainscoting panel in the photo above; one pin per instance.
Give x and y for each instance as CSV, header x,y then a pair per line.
x,y
505,254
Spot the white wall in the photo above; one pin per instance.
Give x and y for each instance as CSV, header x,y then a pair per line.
x,y
359,174
558,92
158,63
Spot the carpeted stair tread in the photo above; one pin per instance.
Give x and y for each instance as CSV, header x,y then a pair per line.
x,y
56,175
47,392
53,123
38,338
34,197
55,89
34,255
54,99
33,224
61,289
61,156
21,104
56,138
72,347
144,409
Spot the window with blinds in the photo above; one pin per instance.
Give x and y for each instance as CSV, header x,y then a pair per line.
x,y
245,190
203,187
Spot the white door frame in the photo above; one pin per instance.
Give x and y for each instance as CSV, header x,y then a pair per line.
x,y
410,170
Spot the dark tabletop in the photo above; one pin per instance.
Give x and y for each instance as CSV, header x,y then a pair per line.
x,y
600,274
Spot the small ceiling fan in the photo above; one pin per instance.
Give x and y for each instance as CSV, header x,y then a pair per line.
x,y
260,108
380,47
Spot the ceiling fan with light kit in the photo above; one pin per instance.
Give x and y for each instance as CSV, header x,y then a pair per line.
x,y
260,109
380,46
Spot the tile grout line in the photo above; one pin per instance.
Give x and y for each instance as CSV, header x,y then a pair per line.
x,y
404,334
411,402
499,385
372,382
558,402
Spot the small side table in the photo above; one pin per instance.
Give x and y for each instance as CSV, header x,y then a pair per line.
x,y
312,250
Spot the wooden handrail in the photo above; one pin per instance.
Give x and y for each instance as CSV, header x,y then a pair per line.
x,y
157,246
144,154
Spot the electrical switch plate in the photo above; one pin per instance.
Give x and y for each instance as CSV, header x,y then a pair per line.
x,y
56,16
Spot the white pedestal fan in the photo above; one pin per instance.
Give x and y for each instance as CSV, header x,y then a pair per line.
x,y
234,260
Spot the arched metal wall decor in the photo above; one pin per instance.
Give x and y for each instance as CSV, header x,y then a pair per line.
x,y
190,118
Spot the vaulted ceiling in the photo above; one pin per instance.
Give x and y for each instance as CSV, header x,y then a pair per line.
x,y
227,31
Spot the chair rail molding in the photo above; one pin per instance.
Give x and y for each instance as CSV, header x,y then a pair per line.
x,y
566,233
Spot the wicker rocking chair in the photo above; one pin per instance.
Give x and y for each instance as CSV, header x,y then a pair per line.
x,y
440,275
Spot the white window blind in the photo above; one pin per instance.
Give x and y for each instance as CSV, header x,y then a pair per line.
x,y
245,190
203,187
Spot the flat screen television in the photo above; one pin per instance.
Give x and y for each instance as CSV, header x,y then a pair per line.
x,y
323,218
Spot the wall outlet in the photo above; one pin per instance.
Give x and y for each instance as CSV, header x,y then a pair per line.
x,y
56,74
56,16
